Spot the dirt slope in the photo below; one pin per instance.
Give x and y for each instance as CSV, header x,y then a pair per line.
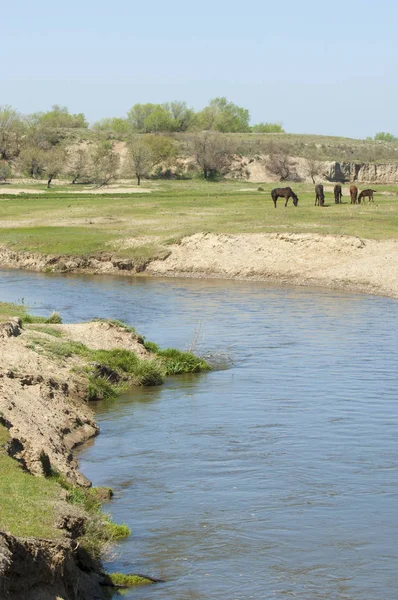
x,y
301,259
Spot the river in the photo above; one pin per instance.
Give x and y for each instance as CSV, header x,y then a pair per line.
x,y
274,478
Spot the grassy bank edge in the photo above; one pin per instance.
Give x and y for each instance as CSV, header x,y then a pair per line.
x,y
41,500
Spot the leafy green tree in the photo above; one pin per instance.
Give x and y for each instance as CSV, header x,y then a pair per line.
x,y
268,128
213,153
12,130
385,137
59,117
31,161
137,116
114,127
221,115
182,116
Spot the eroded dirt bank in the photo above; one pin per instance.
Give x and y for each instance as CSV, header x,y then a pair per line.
x,y
43,405
300,259
303,259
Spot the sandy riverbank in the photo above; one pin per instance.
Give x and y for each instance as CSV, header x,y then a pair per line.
x,y
304,259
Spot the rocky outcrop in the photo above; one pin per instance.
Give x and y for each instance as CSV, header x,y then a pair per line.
x,y
362,172
39,569
255,170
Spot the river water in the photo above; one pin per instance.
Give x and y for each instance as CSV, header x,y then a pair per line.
x,y
274,478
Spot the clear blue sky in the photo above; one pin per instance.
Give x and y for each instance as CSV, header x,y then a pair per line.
x,y
319,67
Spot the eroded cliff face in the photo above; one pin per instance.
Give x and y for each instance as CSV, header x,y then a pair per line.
x,y
256,171
363,172
38,569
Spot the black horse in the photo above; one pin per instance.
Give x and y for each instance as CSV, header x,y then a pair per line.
x,y
319,195
284,193
337,193
366,194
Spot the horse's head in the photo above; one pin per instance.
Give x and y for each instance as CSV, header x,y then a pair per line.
x,y
295,200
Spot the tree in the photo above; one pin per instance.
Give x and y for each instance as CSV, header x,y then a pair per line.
x,y
31,161
12,129
183,117
148,151
114,127
137,116
385,137
213,153
105,163
78,167
313,167
53,163
280,164
268,128
224,116
59,117
5,170
140,158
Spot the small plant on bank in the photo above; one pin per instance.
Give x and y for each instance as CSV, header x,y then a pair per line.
x,y
124,581
177,362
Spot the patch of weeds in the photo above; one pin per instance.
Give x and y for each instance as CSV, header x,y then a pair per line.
x,y
148,372
49,330
63,349
54,319
100,531
101,388
177,362
151,347
141,372
122,580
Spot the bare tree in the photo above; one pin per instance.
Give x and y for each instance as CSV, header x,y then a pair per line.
x,y
280,164
313,167
140,158
105,163
78,165
147,151
213,153
5,170
54,163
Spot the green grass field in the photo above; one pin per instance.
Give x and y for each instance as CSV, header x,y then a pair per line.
x,y
60,221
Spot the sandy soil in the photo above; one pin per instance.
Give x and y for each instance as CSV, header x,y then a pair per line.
x,y
301,259
42,395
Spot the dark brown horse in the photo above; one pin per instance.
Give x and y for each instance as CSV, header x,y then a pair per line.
x,y
366,194
337,193
353,194
286,193
319,195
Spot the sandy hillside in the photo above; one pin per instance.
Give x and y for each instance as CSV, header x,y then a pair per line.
x,y
300,259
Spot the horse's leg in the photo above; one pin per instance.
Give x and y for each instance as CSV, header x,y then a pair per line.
x,y
274,201
287,200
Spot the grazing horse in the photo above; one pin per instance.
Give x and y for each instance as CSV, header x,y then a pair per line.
x,y
353,194
337,193
366,194
286,193
319,195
